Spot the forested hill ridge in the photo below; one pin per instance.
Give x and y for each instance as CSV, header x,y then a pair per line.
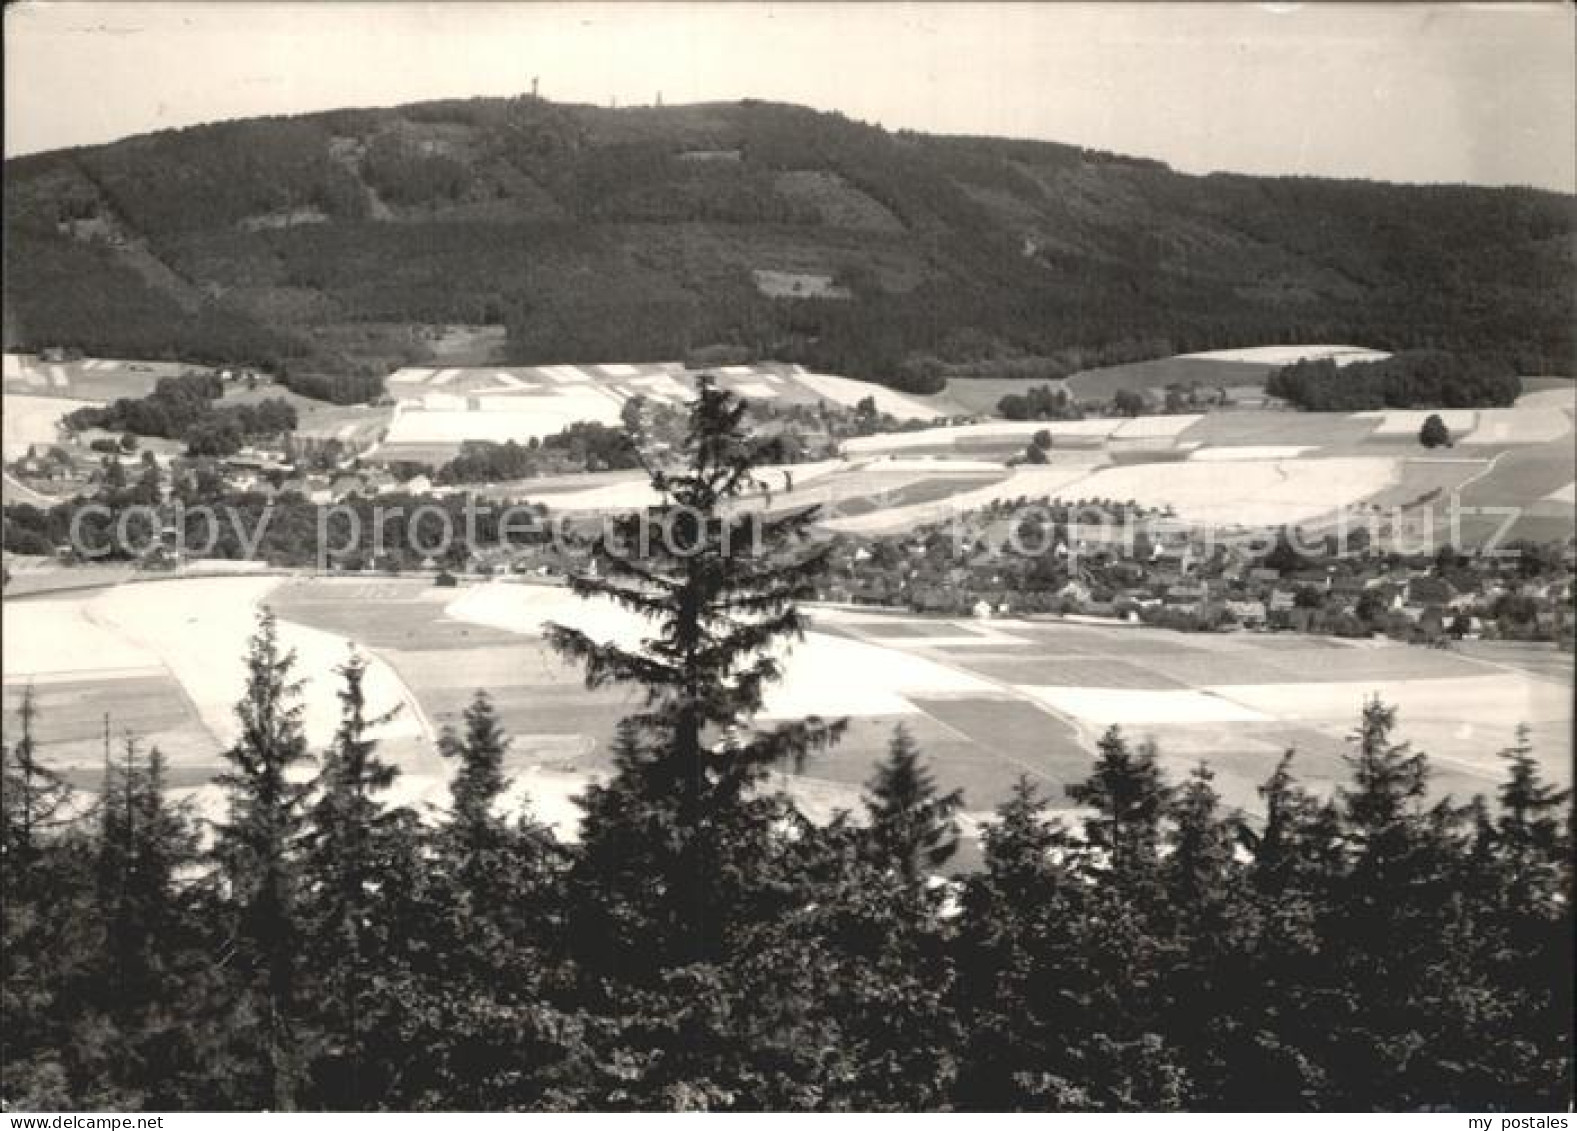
x,y
335,242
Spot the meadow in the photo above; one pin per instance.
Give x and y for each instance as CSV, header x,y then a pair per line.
x,y
32,420
988,700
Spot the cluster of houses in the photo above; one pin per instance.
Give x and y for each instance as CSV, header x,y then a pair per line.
x,y
65,472
1176,580
267,474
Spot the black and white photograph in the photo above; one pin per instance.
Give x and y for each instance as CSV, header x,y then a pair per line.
x,y
820,557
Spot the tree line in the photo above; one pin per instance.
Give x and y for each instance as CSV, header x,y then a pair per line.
x,y
284,529
1411,379
187,409
700,944
335,388
586,445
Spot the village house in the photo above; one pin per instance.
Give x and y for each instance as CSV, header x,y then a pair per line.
x,y
1186,596
1250,614
1430,592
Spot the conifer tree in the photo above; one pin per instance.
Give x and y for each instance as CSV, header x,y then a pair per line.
x,y
354,846
719,586
1023,843
478,780
1389,919
1533,831
1296,853
1211,927
143,843
1200,868
1126,941
42,909
1019,984
1129,799
466,993
36,798
1524,896
257,847
912,826
1295,868
1389,782
144,943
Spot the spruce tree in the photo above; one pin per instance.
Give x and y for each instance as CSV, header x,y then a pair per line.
x,y
1130,799
144,842
1126,940
45,900
719,586
1533,831
1200,868
36,799
1296,865
1389,782
1526,899
913,829
1020,987
257,847
1389,918
354,851
478,780
1212,928
468,992
1296,852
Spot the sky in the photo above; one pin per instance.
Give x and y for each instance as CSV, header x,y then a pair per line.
x,y
1477,93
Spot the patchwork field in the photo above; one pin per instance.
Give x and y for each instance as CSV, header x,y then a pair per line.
x,y
987,700
1239,701
1286,466
855,487
992,700
360,426
1526,424
1522,480
1318,431
1253,492
190,633
441,408
959,436
1048,480
88,379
